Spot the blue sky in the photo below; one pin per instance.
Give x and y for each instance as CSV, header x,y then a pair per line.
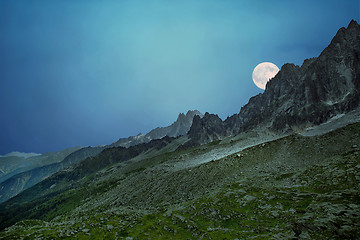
x,y
89,72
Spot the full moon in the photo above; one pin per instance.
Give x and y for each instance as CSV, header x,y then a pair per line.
x,y
263,72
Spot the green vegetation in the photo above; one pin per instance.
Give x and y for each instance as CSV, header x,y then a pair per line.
x,y
293,187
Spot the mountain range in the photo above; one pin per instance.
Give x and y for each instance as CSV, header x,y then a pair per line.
x,y
14,163
297,97
25,173
21,154
285,167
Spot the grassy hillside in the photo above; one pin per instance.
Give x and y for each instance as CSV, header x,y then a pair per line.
x,y
293,187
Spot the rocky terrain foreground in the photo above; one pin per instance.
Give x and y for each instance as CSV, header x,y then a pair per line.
x,y
301,187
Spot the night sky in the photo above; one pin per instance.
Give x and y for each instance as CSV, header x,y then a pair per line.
x,y
89,72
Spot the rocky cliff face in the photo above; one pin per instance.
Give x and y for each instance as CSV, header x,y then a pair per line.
x,y
206,129
298,96
180,127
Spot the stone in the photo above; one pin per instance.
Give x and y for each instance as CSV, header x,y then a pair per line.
x,y
249,198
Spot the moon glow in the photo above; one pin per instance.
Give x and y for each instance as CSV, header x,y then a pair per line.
x,y
263,72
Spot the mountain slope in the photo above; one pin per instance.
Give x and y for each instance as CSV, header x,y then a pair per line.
x,y
22,178
298,97
13,165
25,180
70,177
272,190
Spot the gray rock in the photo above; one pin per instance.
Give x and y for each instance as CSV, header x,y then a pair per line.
x,y
248,198
180,127
297,96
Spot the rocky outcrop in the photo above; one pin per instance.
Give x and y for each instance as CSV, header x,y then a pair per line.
x,y
180,127
206,129
321,88
298,97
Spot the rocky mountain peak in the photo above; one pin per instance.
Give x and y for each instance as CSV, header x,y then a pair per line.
x,y
181,117
297,96
185,119
344,38
206,129
353,24
180,127
284,80
192,113
346,34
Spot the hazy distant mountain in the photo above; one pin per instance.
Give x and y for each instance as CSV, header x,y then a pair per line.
x,y
180,127
24,180
297,97
12,164
86,161
21,154
9,164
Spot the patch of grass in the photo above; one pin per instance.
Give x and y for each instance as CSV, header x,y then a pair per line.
x,y
214,143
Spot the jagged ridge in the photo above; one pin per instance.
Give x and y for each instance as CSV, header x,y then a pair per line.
x,y
180,127
297,97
